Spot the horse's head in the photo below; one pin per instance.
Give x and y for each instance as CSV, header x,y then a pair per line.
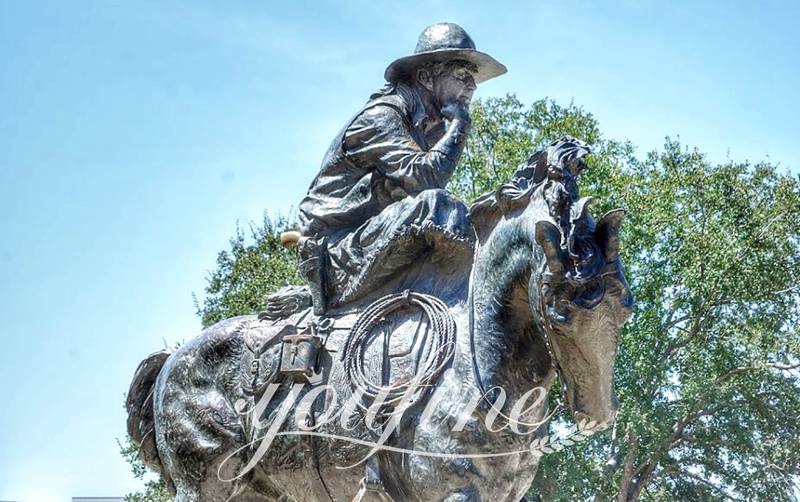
x,y
578,290
582,314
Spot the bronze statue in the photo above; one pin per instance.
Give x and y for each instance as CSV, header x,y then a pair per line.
x,y
392,385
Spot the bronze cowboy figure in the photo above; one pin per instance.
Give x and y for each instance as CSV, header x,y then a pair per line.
x,y
379,199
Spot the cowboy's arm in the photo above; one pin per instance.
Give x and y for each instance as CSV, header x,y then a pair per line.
x,y
380,138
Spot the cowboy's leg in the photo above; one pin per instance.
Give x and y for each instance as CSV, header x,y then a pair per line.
x,y
445,224
396,238
430,211
442,210
430,208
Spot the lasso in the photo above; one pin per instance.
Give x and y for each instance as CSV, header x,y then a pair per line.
x,y
443,328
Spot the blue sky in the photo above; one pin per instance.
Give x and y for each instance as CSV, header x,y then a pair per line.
x,y
134,136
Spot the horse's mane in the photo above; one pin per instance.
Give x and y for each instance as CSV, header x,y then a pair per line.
x,y
551,172
565,154
487,209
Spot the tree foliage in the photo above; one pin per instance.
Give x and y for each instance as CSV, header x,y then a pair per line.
x,y
246,273
154,489
707,373
505,134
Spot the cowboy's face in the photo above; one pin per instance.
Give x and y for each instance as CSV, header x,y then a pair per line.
x,y
454,84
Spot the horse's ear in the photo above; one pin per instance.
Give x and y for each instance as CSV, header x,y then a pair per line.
x,y
549,237
607,233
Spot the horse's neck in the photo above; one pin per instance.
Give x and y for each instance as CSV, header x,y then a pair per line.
x,y
509,350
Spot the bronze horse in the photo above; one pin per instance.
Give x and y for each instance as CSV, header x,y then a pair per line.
x,y
545,293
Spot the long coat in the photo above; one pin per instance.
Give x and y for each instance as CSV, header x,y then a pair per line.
x,y
380,192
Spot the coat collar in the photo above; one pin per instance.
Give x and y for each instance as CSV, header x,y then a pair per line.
x,y
416,106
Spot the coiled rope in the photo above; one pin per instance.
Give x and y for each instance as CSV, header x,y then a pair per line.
x,y
442,350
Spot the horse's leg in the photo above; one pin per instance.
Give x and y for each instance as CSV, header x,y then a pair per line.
x,y
202,454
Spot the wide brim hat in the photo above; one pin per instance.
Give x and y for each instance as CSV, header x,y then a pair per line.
x,y
445,42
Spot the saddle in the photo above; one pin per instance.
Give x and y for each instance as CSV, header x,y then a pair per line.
x,y
290,353
396,340
400,342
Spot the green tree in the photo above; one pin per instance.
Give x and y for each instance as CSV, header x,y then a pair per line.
x,y
708,368
251,269
505,134
154,489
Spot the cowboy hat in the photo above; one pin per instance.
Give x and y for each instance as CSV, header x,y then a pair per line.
x,y
445,42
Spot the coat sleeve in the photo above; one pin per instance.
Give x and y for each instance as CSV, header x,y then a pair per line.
x,y
379,138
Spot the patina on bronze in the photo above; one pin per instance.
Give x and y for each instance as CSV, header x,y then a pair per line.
x,y
407,284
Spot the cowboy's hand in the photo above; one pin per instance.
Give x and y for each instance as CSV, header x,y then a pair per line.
x,y
457,111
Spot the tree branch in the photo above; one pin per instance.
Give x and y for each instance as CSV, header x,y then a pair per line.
x,y
683,472
644,471
744,369
632,442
